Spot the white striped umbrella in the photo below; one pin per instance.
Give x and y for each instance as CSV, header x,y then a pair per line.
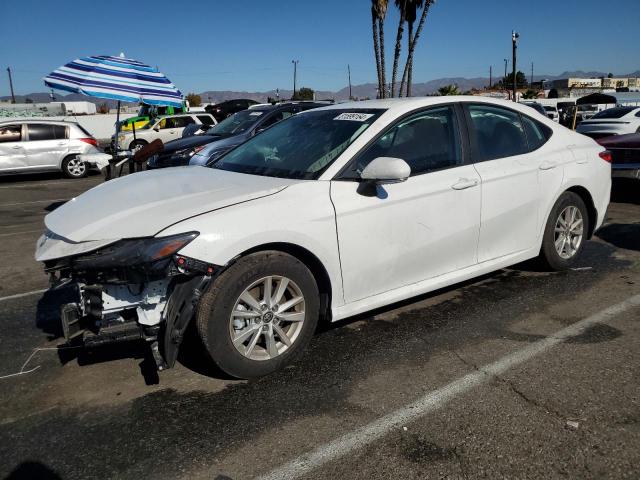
x,y
115,78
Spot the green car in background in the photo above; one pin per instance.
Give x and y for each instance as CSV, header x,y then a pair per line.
x,y
148,113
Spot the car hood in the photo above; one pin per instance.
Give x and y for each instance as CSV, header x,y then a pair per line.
x,y
225,144
188,142
143,204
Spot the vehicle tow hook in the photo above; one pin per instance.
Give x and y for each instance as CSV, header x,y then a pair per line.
x,y
157,357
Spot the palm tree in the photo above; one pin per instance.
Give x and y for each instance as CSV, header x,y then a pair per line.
x,y
408,68
449,90
402,6
376,45
378,14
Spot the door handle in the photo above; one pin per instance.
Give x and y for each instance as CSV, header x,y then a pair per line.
x,y
547,165
16,147
62,143
465,183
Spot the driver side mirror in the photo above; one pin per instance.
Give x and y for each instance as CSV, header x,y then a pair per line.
x,y
385,170
157,128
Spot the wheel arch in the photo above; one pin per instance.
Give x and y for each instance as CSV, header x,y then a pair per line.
x,y
68,155
586,197
138,140
311,261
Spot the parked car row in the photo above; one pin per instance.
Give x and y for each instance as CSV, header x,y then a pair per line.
x,y
235,129
329,213
613,121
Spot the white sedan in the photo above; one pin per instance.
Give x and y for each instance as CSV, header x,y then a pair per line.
x,y
612,121
328,214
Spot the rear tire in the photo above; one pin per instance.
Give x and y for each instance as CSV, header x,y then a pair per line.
x,y
72,167
244,319
565,233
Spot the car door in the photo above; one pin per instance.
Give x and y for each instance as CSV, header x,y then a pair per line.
x,y
48,144
509,174
168,130
12,152
407,232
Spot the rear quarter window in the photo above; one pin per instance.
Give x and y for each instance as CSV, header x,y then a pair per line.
x,y
537,133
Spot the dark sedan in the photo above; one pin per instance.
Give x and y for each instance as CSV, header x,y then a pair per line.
x,y
224,109
227,134
625,152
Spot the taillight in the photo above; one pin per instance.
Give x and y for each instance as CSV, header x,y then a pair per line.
x,y
90,141
606,156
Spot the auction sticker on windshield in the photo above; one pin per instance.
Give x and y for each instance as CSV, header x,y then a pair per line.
x,y
356,117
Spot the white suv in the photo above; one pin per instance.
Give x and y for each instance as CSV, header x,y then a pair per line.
x,y
44,145
165,128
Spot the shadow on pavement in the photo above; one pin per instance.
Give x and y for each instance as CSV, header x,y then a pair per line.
x,y
622,235
625,190
33,470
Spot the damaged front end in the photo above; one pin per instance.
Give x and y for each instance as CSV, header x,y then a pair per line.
x,y
132,289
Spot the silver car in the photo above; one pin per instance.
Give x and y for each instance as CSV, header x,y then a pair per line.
x,y
44,145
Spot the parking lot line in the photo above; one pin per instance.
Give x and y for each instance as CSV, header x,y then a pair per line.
x,y
35,184
20,295
35,201
434,400
18,233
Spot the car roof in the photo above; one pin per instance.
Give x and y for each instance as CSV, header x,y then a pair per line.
x,y
398,106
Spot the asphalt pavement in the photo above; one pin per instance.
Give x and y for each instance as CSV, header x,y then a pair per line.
x,y
520,374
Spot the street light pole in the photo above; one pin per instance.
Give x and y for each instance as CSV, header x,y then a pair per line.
x,y
514,46
505,69
295,73
349,73
490,76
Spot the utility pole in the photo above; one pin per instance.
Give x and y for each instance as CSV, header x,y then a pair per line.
x,y
295,73
349,73
13,97
490,76
514,46
531,82
506,62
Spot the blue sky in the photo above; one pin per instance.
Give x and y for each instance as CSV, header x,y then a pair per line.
x,y
249,44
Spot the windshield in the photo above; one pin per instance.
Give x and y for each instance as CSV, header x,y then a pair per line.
x,y
302,146
618,112
236,123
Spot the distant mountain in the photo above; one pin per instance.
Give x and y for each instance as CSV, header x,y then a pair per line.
x,y
365,90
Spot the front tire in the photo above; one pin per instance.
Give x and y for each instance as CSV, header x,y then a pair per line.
x,y
73,167
565,233
259,314
137,145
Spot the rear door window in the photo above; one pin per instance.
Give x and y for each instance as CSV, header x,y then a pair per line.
x,y
181,122
40,131
497,131
59,132
10,133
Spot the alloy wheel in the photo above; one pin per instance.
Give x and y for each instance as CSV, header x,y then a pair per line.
x,y
568,232
76,167
267,318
